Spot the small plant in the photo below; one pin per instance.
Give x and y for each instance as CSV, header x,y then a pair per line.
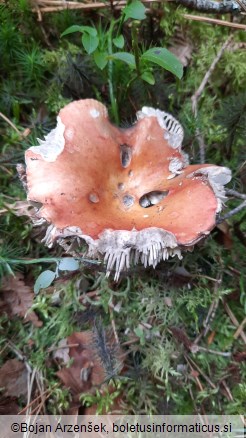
x,y
103,44
103,399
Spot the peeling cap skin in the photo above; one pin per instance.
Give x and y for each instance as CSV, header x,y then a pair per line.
x,y
108,185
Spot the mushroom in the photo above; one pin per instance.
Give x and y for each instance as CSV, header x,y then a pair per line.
x,y
130,194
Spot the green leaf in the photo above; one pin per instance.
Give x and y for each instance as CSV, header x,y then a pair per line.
x,y
44,280
100,59
140,334
165,59
71,29
119,41
148,77
75,28
90,30
90,43
68,264
126,57
135,10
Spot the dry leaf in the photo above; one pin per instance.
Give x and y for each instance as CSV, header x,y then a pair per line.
x,y
86,370
13,378
62,352
16,298
9,406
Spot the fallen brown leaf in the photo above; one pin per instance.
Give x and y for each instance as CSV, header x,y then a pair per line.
x,y
86,370
61,353
16,298
13,378
9,406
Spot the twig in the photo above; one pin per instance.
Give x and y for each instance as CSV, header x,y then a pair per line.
x,y
193,399
198,382
241,4
22,412
206,324
40,385
60,6
130,342
191,362
234,320
10,123
231,213
235,194
215,7
239,329
218,353
40,18
229,394
196,96
231,6
20,356
204,276
30,382
235,271
211,312
62,347
215,21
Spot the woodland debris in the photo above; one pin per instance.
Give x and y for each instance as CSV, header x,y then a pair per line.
x,y
210,6
13,378
95,359
86,370
16,299
234,321
215,21
8,406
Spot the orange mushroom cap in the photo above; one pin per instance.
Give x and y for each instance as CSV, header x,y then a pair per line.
x,y
129,193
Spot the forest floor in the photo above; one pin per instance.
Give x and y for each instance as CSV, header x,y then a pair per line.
x,y
165,341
